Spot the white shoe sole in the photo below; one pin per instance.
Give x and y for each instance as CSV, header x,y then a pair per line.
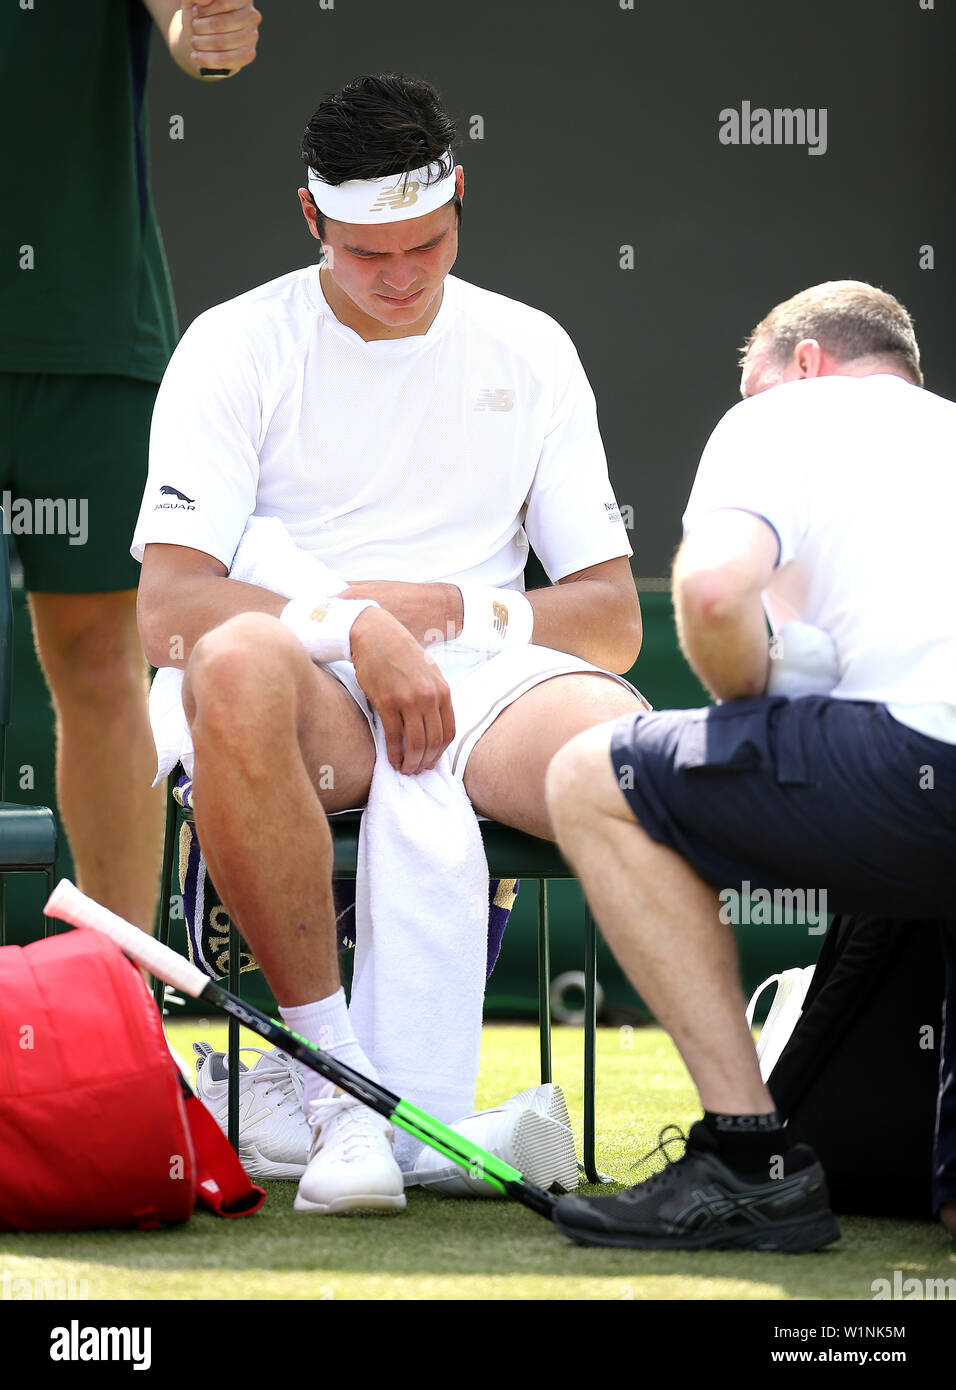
x,y
541,1148
351,1203
565,1160
266,1169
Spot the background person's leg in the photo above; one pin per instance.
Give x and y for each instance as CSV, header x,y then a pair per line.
x,y
76,484
89,648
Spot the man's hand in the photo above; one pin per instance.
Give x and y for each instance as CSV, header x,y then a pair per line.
x,y
208,33
430,612
405,687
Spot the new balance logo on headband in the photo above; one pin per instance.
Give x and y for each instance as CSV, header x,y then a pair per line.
x,y
395,197
398,197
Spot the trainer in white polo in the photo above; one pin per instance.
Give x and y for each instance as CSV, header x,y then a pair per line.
x,y
351,1162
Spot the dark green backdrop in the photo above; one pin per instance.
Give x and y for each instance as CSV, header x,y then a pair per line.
x,y
600,130
599,126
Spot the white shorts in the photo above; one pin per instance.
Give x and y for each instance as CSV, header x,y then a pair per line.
x,y
481,687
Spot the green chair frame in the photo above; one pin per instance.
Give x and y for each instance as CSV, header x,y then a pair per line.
x,y
511,854
27,833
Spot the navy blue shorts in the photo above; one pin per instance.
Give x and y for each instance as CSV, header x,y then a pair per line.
x,y
814,793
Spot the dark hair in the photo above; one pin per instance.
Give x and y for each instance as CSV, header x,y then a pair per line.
x,y
377,126
850,319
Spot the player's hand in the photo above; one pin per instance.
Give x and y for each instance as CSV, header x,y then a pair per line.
x,y
406,688
430,612
218,34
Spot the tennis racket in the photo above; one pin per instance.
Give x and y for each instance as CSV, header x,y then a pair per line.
x,y
68,904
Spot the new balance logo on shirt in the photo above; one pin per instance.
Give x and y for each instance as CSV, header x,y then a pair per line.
x,y
499,398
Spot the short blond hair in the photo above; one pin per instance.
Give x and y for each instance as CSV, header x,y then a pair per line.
x,y
849,319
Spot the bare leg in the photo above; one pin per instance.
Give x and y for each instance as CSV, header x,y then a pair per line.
x,y
661,920
278,743
89,648
505,774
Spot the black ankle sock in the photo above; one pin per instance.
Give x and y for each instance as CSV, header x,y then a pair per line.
x,y
749,1144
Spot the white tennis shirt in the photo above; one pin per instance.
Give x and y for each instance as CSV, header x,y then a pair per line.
x,y
857,476
429,458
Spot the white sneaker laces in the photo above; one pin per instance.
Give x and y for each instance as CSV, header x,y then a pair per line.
x,y
344,1121
275,1071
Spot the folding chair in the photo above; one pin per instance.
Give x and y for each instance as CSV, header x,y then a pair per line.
x,y
511,854
27,833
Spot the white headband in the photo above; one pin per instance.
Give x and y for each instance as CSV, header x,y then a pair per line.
x,y
395,198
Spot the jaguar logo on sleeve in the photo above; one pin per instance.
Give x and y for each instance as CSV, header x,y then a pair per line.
x,y
182,502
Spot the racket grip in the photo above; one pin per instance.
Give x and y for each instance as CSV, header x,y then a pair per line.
x,y
68,904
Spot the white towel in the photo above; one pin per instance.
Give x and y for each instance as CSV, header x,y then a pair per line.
x,y
421,940
421,912
804,662
268,556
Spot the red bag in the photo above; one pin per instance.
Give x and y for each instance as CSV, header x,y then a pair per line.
x,y
95,1128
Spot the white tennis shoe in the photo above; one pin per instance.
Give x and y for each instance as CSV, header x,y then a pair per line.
x,y
351,1163
274,1134
532,1132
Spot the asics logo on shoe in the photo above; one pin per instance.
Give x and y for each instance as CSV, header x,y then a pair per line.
x,y
712,1206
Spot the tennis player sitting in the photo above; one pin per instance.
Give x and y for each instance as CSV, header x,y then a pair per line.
x,y
413,432
825,499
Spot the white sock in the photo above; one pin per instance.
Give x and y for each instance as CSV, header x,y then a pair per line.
x,y
326,1023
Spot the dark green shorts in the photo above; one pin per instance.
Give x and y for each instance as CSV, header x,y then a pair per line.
x,y
73,453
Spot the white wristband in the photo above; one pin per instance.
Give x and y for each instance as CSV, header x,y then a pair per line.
x,y
323,625
494,618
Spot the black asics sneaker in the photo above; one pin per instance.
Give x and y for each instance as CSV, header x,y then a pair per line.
x,y
698,1203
